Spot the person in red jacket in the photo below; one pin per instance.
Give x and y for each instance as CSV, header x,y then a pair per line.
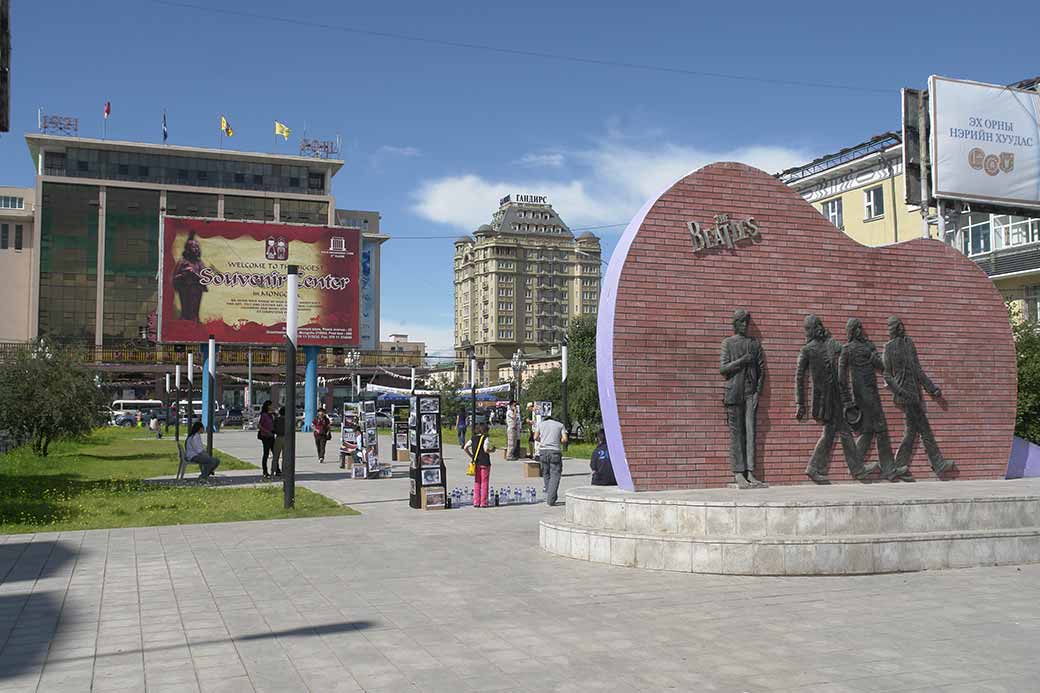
x,y
322,429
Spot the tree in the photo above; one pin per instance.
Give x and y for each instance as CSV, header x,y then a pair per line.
x,y
451,403
46,394
1027,353
582,385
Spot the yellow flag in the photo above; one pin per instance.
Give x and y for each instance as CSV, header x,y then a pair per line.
x,y
226,126
282,129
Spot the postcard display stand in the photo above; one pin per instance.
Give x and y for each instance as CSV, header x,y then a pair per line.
x,y
428,474
347,438
370,437
402,450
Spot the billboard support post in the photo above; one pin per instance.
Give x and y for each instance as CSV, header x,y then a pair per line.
x,y
211,386
922,139
289,453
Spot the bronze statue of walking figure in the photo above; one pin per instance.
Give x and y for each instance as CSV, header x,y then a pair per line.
x,y
857,368
905,377
819,357
743,364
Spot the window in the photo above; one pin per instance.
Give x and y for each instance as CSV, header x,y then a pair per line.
x,y
258,180
203,177
3,236
11,202
1033,303
142,171
18,237
294,182
832,210
529,335
316,181
81,165
182,176
873,203
975,236
124,169
1010,231
240,178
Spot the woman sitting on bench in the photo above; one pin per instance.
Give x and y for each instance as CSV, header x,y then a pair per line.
x,y
195,452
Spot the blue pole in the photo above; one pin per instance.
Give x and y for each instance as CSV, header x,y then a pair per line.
x,y
310,386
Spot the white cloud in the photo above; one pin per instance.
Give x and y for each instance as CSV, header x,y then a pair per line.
x,y
612,180
439,338
541,160
391,150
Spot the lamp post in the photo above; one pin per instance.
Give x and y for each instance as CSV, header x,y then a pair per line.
x,y
289,451
352,360
519,364
563,378
472,392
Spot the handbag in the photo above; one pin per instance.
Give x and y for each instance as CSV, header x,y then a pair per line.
x,y
471,470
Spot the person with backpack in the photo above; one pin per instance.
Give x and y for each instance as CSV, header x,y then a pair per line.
x,y
480,463
602,471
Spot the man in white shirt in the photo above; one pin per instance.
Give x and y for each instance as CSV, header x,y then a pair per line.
x,y
195,452
551,438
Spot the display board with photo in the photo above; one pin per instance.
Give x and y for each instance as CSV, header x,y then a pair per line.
x,y
429,405
424,437
431,476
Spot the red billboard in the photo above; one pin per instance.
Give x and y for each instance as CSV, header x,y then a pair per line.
x,y
228,279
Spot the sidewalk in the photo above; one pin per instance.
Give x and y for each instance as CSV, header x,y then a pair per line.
x,y
463,600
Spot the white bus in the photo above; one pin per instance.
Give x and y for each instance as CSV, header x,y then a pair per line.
x,y
133,406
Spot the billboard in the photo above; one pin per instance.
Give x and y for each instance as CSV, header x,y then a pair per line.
x,y
228,279
985,142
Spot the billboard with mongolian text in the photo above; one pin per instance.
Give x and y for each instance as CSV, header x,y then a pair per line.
x,y
228,279
985,142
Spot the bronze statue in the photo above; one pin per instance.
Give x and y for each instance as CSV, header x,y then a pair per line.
x,y
819,357
743,364
905,377
858,364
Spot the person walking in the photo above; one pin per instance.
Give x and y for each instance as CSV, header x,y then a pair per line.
x,y
512,432
265,434
460,427
482,465
322,429
195,452
602,470
551,437
530,430
279,441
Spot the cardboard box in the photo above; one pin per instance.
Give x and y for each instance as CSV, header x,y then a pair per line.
x,y
403,455
433,497
532,470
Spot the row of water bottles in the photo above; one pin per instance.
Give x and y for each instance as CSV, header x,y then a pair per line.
x,y
502,496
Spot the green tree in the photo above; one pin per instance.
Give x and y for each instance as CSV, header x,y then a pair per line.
x,y
451,403
582,386
47,393
1027,352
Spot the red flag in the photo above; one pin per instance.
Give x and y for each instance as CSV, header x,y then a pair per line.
x,y
108,109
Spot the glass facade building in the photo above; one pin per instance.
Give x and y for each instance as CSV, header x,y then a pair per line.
x,y
68,260
100,205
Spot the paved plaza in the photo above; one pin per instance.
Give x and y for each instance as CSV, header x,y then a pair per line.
x,y
463,600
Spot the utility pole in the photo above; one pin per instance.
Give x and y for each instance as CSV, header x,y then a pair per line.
x,y
563,376
922,142
289,452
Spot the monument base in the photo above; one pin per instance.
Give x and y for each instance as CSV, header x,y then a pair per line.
x,y
845,529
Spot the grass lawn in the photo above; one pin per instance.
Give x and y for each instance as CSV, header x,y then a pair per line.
x,y
97,483
579,450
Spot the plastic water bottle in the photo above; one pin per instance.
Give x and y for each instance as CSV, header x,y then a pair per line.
x,y
532,493
518,495
504,496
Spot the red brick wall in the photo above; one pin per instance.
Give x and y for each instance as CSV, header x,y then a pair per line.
x,y
673,309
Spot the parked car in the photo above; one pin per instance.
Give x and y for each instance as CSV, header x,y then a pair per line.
x,y
233,417
127,418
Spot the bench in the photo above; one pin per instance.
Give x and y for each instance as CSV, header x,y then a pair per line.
x,y
184,462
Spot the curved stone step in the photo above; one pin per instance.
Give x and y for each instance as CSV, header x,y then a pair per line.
x,y
853,554
793,511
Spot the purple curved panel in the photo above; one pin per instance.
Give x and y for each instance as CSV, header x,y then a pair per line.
x,y
605,344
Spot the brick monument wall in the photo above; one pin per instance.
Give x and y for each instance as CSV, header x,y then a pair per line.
x,y
665,310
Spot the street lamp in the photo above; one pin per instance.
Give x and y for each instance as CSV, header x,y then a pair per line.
x,y
563,378
519,364
352,360
468,346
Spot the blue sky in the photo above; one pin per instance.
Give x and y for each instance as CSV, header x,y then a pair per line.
x,y
434,135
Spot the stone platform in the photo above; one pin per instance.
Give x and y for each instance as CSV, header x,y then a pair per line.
x,y
844,529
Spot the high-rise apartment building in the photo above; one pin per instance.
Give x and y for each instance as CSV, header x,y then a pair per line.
x,y
519,281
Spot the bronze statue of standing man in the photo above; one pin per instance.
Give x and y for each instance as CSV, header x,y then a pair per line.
x,y
819,357
857,367
904,375
743,365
